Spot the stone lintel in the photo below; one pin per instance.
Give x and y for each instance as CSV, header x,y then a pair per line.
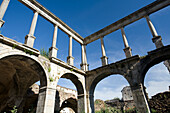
x,y
104,60
1,23
158,41
137,15
29,40
128,52
53,52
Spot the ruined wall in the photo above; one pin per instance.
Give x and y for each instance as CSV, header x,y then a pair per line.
x,y
127,93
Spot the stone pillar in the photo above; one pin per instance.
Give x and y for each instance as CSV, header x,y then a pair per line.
x,y
140,99
53,49
29,39
156,39
84,65
127,49
70,58
46,100
81,103
3,9
90,103
104,57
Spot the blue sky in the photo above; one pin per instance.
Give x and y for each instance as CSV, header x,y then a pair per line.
x,y
87,17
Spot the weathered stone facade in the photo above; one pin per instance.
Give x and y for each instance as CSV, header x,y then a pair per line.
x,y
127,93
21,65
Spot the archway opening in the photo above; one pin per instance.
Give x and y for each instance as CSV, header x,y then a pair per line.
x,y
69,86
157,82
18,75
69,106
113,94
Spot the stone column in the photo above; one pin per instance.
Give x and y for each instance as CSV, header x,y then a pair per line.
x,y
90,103
29,39
84,65
3,9
81,103
156,39
127,49
53,49
46,100
140,99
70,58
104,57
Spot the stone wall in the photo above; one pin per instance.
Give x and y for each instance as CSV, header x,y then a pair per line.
x,y
160,102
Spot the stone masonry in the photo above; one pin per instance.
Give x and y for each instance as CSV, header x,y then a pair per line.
x,y
21,65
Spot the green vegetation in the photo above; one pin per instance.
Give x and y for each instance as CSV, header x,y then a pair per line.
x,y
49,69
153,110
14,46
44,53
28,52
71,69
51,79
116,98
109,110
14,110
131,110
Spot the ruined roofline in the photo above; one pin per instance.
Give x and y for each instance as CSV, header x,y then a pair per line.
x,y
66,88
49,16
141,13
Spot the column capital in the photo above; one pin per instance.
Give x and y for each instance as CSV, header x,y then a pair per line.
x,y
36,12
53,48
83,44
1,23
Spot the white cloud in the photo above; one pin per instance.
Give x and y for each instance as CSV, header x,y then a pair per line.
x,y
110,87
157,80
105,93
155,87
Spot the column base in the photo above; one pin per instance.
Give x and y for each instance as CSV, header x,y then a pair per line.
x,y
53,52
140,99
158,41
1,23
29,40
46,100
84,67
70,60
104,60
128,52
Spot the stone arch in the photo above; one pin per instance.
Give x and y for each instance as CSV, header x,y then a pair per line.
x,y
98,79
80,90
75,80
151,60
95,81
20,71
70,103
43,78
139,72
